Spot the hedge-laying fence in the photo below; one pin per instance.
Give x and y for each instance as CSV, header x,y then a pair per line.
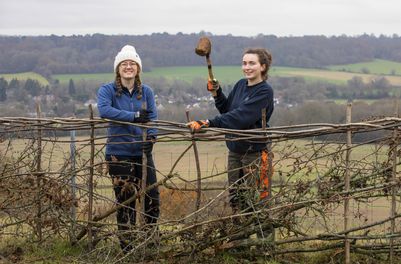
x,y
326,193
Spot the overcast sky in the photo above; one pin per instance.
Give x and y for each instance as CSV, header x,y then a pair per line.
x,y
220,17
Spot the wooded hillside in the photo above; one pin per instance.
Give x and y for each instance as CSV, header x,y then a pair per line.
x,y
95,53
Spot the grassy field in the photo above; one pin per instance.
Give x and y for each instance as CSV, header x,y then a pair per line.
x,y
213,155
165,154
381,67
101,77
24,76
230,74
226,74
345,101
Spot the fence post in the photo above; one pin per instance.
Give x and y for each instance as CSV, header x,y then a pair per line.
x,y
90,184
39,174
144,172
73,184
347,184
393,150
198,170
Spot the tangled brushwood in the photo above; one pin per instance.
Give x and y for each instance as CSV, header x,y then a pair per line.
x,y
327,193
33,198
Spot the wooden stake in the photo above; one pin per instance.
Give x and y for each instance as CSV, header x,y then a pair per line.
x,y
198,170
347,184
39,174
144,172
393,149
90,183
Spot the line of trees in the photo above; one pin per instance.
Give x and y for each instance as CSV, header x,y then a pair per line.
x,y
53,54
57,101
174,96
295,90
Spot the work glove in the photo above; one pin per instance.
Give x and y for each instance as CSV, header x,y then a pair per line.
x,y
147,146
142,116
213,86
195,126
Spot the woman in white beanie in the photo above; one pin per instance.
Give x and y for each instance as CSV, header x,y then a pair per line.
x,y
122,100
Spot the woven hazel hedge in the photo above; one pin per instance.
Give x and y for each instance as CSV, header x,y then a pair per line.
x,y
325,194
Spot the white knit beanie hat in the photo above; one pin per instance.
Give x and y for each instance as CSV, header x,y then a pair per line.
x,y
128,52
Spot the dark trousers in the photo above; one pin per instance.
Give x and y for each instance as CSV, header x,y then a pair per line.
x,y
242,176
249,176
126,173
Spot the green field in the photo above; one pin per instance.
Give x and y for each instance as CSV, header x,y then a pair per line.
x,y
230,74
101,77
24,76
225,74
345,101
381,67
338,74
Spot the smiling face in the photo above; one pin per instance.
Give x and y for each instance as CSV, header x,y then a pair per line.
x,y
128,69
252,68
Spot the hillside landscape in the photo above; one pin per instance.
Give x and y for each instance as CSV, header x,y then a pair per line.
x,y
334,165
64,73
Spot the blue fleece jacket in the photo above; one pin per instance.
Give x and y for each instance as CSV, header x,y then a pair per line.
x,y
242,109
122,138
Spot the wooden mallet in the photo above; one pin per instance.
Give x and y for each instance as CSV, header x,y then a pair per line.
x,y
204,49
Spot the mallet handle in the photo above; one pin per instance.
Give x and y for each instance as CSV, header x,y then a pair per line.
x,y
209,67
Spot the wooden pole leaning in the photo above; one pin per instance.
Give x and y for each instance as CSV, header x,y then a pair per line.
x,y
144,172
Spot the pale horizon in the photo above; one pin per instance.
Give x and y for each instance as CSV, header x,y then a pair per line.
x,y
223,17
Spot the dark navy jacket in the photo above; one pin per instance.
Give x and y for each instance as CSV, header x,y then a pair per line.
x,y
121,138
242,109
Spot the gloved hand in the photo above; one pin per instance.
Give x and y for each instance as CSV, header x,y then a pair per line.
x,y
195,126
213,86
147,146
142,116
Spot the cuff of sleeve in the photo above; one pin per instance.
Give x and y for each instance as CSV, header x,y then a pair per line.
x,y
218,92
135,116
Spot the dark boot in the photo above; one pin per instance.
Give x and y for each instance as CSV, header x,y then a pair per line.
x,y
125,242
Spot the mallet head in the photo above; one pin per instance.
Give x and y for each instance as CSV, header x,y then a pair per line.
x,y
204,47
